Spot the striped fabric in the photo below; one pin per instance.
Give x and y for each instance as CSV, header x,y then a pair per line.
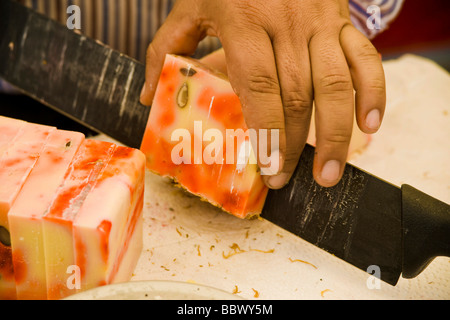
x,y
125,25
361,13
129,25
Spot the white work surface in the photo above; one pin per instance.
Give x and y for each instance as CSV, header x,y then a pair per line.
x,y
188,240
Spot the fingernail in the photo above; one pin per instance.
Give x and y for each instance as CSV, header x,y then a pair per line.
x,y
373,119
273,164
279,181
330,171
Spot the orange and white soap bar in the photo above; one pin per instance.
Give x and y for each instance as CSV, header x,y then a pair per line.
x,y
194,111
29,207
57,223
104,227
18,158
92,232
70,211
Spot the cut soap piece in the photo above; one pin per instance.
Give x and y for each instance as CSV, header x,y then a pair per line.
x,y
30,205
66,201
104,228
193,104
9,128
92,157
18,159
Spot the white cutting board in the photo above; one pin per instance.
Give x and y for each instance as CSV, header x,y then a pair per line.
x,y
188,240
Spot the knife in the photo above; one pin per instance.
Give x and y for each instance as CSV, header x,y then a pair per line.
x,y
363,220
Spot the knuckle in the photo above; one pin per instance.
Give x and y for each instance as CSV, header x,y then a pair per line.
x,y
367,52
377,85
152,52
252,14
337,138
296,105
335,82
263,84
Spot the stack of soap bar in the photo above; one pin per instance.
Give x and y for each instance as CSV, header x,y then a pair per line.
x,y
101,223
192,110
71,211
99,239
20,155
57,224
30,205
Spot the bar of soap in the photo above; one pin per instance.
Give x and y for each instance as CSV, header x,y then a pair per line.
x,y
111,214
192,106
71,211
19,156
57,222
93,231
9,128
30,205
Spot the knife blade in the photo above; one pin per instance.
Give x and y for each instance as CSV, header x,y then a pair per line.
x,y
363,220
77,76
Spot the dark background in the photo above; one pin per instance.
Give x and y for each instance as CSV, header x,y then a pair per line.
x,y
422,28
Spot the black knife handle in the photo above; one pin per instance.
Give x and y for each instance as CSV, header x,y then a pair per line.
x,y
426,230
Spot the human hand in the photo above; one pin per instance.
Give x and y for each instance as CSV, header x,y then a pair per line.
x,y
280,57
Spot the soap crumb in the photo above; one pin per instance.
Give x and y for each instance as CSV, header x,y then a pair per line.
x,y
165,268
324,291
302,261
236,290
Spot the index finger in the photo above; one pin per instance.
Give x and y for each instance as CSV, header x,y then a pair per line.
x,y
253,75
